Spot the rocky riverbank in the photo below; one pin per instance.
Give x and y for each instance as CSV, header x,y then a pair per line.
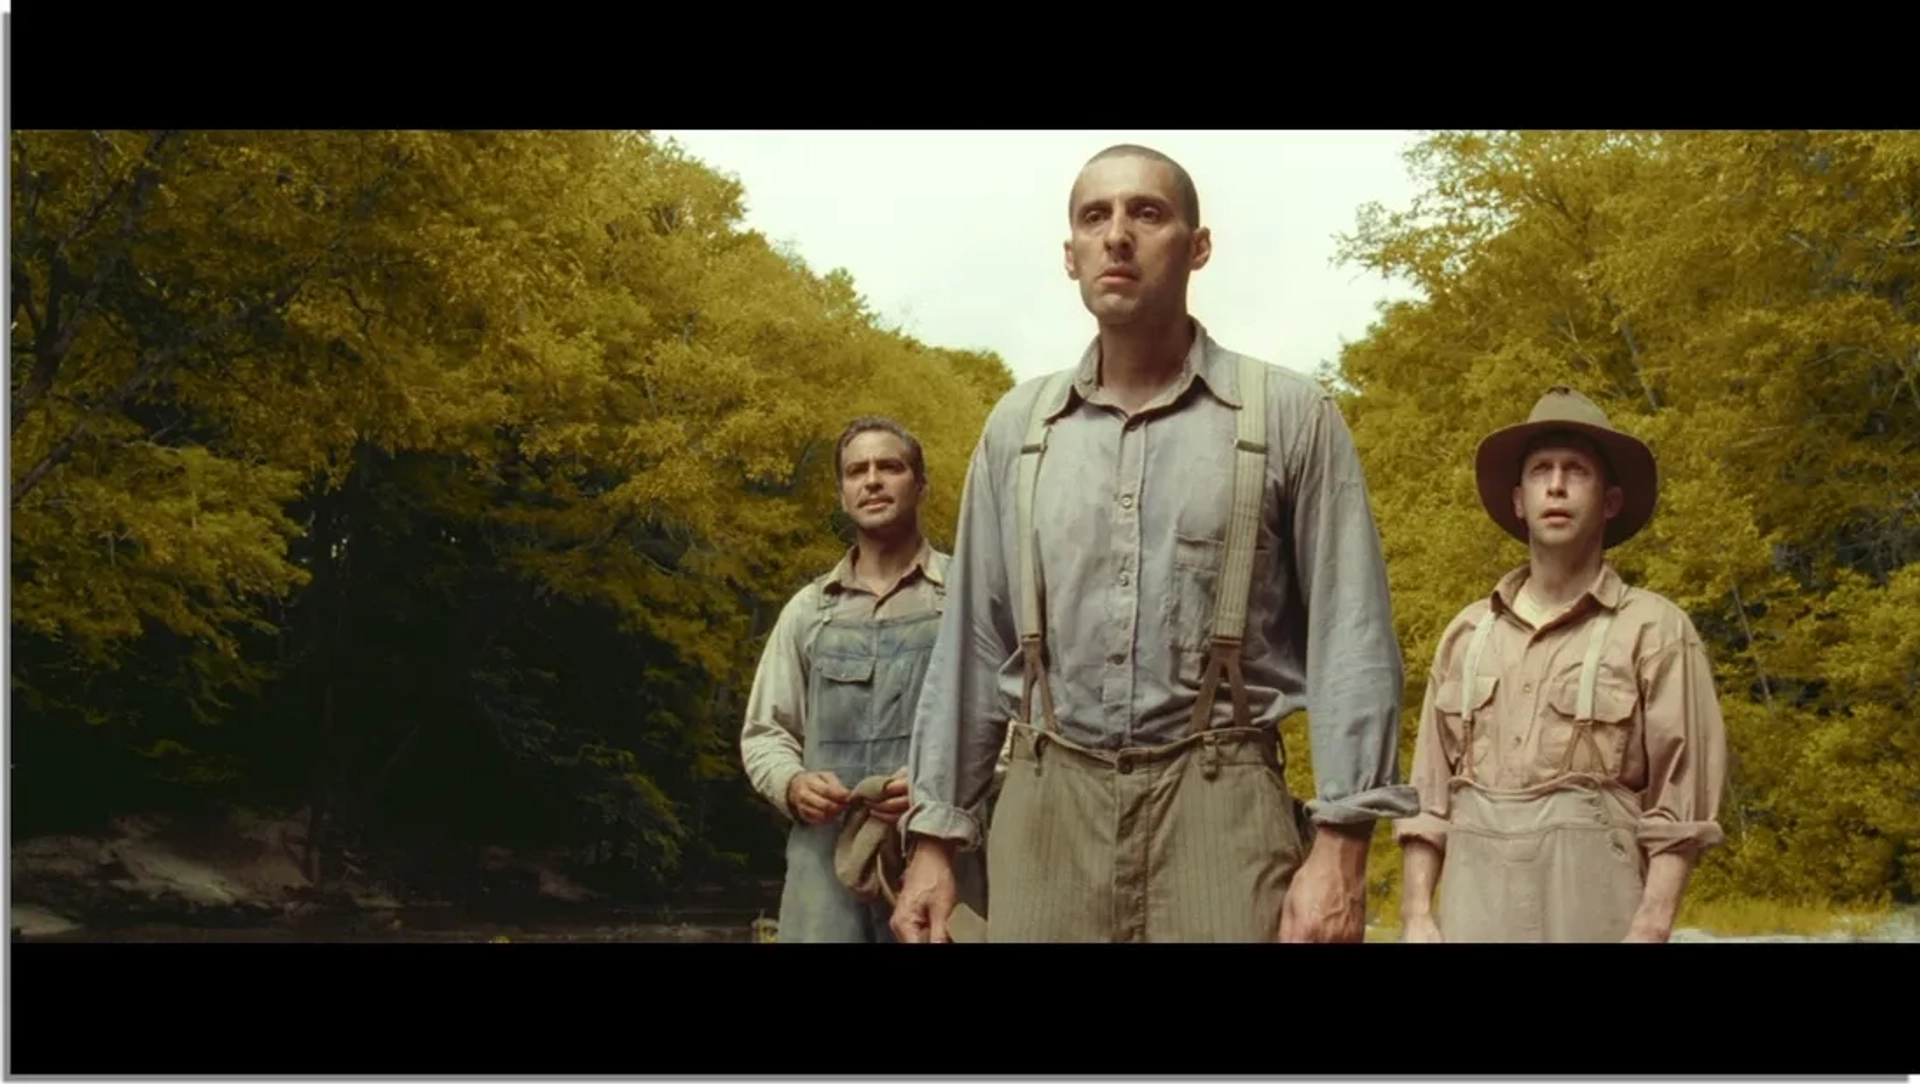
x,y
242,877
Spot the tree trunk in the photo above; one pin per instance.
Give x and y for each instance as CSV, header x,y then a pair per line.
x,y
317,806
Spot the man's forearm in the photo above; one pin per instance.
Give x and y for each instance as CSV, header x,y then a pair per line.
x,y
1354,736
945,760
918,843
1667,876
1354,721
1355,673
954,743
1342,846
772,746
1419,873
945,767
771,765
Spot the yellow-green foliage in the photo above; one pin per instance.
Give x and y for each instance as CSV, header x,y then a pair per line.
x,y
566,345
584,301
1744,302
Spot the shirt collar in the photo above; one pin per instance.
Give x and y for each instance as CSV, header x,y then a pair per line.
x,y
1207,363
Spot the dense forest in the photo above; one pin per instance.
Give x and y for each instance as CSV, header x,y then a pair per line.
x,y
438,489
440,486
1746,302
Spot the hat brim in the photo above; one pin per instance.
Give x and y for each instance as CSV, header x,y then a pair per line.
x,y
1497,470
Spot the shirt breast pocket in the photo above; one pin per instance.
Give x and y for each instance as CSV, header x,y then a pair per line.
x,y
1598,745
842,695
1454,735
1198,565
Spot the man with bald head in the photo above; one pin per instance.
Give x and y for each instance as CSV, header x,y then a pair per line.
x,y
1163,552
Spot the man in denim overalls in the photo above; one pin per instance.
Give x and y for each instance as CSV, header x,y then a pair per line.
x,y
833,699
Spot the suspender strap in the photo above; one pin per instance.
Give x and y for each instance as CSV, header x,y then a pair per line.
x,y
1470,687
937,566
1589,676
1236,579
1243,531
1032,638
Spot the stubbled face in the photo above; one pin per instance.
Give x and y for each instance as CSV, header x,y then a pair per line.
x,y
877,487
1131,249
1563,498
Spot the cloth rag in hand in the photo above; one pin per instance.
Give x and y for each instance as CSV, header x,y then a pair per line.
x,y
870,858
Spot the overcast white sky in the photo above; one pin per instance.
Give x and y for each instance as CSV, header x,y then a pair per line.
x,y
956,234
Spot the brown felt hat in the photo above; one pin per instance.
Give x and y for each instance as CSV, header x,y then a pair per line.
x,y
1562,409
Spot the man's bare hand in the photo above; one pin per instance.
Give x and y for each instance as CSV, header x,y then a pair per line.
x,y
1420,930
928,895
894,806
1328,898
1643,932
817,797
1667,875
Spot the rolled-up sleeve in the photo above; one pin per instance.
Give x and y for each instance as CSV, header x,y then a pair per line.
x,y
1354,668
1430,776
960,727
772,739
1686,748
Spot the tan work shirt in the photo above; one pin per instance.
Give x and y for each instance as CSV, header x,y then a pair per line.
x,y
1657,729
1130,521
772,740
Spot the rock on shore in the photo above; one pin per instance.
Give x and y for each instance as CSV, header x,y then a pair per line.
x,y
238,870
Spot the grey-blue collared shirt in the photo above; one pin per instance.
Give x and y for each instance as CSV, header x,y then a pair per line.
x,y
1130,520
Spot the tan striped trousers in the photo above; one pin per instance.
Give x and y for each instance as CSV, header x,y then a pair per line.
x,y
1195,841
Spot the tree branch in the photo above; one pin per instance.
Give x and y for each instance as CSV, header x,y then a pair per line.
x,y
150,369
159,361
1766,691
56,335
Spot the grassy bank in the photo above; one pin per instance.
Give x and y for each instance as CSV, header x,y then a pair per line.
x,y
1732,917
1738,917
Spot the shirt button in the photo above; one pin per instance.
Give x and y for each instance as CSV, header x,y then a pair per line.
x,y
1527,688
1125,579
1126,500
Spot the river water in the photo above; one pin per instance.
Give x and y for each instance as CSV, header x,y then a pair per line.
x,y
418,924
710,926
734,930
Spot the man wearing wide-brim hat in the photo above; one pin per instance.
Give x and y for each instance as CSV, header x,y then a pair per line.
x,y
1571,752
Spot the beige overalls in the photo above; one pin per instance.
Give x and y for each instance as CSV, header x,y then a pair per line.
x,y
1193,841
1553,759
